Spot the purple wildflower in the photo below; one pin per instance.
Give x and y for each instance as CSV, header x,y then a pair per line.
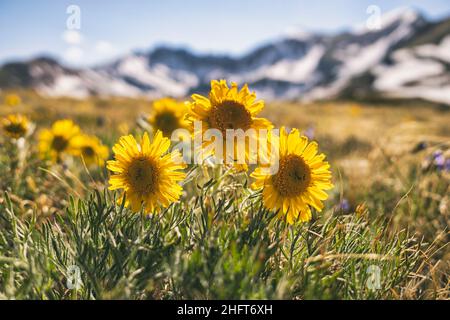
x,y
344,205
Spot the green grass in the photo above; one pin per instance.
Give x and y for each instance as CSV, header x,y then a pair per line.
x,y
190,253
221,244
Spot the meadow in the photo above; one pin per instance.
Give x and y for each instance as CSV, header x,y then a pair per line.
x,y
383,233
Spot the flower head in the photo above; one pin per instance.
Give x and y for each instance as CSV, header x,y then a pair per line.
x,y
147,173
91,149
15,126
300,181
438,159
227,108
59,140
12,100
344,205
168,115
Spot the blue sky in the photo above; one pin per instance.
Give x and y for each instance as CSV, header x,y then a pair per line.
x,y
108,29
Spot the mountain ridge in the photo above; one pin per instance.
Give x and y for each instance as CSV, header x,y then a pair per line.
x,y
409,57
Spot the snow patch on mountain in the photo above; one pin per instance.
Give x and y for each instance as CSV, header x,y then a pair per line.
x,y
440,51
371,55
413,77
296,33
65,85
356,59
292,70
158,78
402,15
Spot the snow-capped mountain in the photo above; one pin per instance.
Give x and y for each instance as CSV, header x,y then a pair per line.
x,y
407,57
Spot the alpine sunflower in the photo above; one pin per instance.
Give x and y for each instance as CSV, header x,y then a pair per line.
x,y
227,108
300,181
168,115
147,172
91,149
59,140
12,100
15,126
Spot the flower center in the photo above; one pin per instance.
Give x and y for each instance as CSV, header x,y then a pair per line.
x,y
16,129
88,152
293,176
167,122
143,175
230,115
59,143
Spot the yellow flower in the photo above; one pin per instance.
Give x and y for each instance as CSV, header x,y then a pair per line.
x,y
91,149
15,125
168,115
227,108
300,181
355,110
12,100
146,172
58,140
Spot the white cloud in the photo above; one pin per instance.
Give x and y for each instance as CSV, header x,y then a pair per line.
x,y
103,51
73,54
103,47
72,37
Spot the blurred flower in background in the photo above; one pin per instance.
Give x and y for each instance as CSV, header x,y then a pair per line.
x,y
59,140
12,100
16,126
168,115
344,205
91,149
439,160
